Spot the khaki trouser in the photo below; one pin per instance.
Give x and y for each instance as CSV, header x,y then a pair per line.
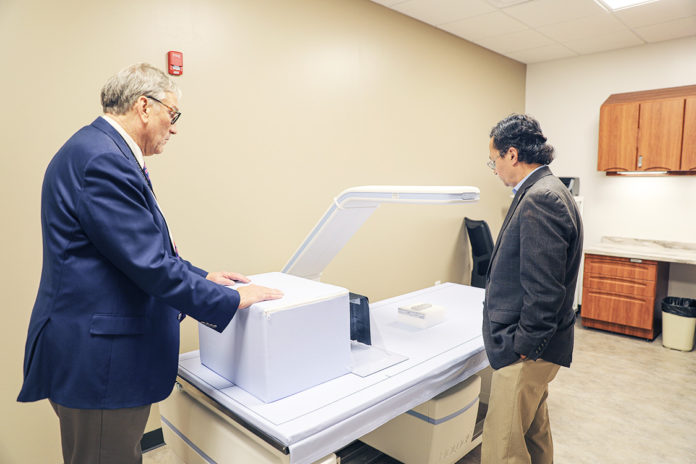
x,y
101,436
517,428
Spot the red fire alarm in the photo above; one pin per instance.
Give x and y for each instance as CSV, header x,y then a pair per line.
x,y
176,63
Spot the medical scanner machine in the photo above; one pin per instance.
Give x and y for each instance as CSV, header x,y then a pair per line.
x,y
285,384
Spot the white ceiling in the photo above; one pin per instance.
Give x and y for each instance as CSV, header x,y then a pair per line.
x,y
532,31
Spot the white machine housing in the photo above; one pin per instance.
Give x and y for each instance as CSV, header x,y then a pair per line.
x,y
439,431
349,211
278,348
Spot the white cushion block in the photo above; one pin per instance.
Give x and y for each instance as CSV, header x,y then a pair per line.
x,y
421,315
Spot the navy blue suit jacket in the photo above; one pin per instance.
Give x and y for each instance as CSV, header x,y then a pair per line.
x,y
104,331
532,275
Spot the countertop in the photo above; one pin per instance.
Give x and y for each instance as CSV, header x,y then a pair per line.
x,y
656,250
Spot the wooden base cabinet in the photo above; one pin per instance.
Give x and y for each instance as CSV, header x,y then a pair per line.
x,y
623,295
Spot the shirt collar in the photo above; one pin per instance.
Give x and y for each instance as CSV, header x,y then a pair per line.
x,y
137,152
519,184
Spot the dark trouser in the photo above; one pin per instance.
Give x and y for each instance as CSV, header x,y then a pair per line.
x,y
102,436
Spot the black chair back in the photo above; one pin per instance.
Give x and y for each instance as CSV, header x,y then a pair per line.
x,y
481,250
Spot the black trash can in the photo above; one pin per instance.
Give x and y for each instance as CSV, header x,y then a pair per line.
x,y
678,323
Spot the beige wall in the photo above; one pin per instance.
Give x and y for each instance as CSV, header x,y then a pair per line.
x,y
566,95
285,104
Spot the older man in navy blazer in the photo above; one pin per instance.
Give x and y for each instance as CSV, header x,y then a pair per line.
x,y
103,338
528,315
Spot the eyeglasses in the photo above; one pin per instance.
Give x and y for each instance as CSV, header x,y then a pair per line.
x,y
491,163
175,115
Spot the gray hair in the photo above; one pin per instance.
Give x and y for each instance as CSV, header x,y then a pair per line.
x,y
122,90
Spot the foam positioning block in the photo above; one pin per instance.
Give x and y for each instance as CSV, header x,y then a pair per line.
x,y
278,348
421,315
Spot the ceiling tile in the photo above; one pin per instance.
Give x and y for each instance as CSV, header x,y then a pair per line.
x,y
482,26
389,2
600,43
544,12
506,3
683,27
657,12
576,29
545,53
443,11
516,41
541,30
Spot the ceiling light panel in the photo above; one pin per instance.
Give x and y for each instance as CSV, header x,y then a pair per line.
x,y
614,5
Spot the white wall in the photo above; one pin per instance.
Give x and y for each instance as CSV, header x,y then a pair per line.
x,y
565,96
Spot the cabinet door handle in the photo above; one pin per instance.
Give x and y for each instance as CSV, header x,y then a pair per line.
x,y
636,260
640,161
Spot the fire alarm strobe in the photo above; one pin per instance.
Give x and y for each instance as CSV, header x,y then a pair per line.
x,y
176,63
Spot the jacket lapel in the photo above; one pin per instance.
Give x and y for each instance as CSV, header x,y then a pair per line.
x,y
543,172
108,129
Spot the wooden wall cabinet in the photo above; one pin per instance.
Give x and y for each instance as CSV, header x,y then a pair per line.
x,y
623,295
653,130
618,136
688,162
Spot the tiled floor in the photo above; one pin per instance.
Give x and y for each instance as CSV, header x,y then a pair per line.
x,y
161,455
624,400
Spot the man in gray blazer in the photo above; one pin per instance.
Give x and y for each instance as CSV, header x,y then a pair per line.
x,y
528,314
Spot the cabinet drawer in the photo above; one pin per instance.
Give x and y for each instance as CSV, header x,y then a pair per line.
x,y
618,309
619,285
620,267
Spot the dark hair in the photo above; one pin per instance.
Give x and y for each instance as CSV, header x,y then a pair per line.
x,y
524,133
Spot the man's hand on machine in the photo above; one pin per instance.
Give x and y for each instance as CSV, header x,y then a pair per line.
x,y
250,294
227,278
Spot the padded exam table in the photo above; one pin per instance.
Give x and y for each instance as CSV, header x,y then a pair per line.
x,y
209,420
